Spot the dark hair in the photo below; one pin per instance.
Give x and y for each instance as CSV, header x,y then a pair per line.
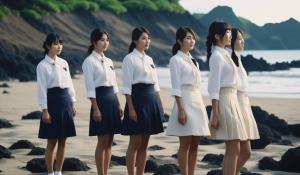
x,y
234,34
51,38
216,27
136,34
180,35
96,35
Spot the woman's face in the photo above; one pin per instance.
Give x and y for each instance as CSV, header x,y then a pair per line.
x,y
55,48
102,44
188,42
226,40
239,42
143,42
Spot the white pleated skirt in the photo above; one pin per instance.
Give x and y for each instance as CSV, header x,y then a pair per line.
x,y
197,121
231,123
249,120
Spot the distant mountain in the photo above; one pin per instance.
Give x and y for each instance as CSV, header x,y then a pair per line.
x,y
287,32
282,35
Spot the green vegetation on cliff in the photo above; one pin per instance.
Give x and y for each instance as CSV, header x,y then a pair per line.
x,y
36,9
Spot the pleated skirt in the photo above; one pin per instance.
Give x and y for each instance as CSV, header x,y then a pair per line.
x,y
60,108
148,109
108,106
249,120
197,121
231,122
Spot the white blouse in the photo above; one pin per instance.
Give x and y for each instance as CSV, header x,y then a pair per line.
x,y
183,72
138,68
222,72
98,71
242,76
53,73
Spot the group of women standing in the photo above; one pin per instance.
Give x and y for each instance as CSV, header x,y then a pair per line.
x,y
231,119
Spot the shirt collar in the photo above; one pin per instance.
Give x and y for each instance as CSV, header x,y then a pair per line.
x,y
50,60
98,56
138,53
184,55
222,50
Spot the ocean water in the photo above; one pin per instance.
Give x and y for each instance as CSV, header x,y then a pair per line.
x,y
272,56
276,84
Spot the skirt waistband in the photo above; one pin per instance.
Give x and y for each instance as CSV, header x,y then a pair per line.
x,y
57,90
143,88
190,87
228,90
105,89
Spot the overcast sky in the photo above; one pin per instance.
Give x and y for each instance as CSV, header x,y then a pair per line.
x,y
257,11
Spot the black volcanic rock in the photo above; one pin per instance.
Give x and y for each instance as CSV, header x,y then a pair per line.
x,y
5,124
22,144
266,136
290,160
213,159
5,153
37,151
167,169
295,129
155,147
32,115
268,163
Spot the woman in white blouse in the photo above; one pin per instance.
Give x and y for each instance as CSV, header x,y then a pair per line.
x,y
226,119
237,46
188,119
101,89
56,97
143,112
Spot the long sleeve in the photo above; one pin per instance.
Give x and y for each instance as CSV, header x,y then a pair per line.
x,y
214,79
41,87
175,78
127,76
115,84
71,89
89,79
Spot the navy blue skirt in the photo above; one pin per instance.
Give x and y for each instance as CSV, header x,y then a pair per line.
x,y
60,108
108,106
148,109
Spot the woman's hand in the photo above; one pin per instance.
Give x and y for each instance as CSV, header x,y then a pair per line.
x,y
74,110
215,120
132,115
181,116
120,111
97,115
46,118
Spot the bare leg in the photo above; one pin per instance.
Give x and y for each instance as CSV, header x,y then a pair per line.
x,y
107,156
244,156
60,154
231,156
184,147
51,143
142,155
131,154
192,155
103,141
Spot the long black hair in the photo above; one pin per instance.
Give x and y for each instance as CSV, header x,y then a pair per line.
x,y
234,34
136,34
216,27
51,38
180,35
96,35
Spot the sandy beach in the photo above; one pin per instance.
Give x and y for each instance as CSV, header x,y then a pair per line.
x,y
22,100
